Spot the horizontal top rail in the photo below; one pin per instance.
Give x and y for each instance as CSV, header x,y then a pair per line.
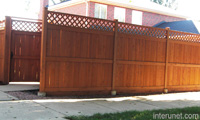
x,y
26,19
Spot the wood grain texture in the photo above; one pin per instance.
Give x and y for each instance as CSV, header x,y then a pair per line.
x,y
2,48
79,45
184,53
181,76
140,48
139,75
78,60
25,63
7,49
87,55
43,50
78,75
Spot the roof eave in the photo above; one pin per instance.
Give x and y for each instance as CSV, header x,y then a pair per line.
x,y
66,4
172,13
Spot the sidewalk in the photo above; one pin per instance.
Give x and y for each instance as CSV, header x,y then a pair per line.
x,y
56,109
110,105
19,86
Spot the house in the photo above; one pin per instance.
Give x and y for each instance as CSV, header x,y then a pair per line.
x,y
184,26
135,12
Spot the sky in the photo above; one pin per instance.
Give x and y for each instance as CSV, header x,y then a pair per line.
x,y
190,8
19,8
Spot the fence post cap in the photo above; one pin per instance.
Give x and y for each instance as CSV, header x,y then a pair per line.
x,y
167,28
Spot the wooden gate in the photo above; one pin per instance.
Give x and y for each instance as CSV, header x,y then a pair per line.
x,y
20,42
25,56
25,51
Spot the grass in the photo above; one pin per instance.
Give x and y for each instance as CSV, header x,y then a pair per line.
x,y
190,112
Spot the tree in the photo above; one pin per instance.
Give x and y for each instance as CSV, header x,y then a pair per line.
x,y
167,3
59,1
27,5
63,0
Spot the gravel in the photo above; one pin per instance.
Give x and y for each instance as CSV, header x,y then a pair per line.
x,y
32,95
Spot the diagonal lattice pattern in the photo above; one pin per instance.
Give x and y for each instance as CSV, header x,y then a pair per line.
x,y
26,26
80,21
182,36
77,21
2,25
141,30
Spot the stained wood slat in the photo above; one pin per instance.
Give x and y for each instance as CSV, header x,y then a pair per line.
x,y
2,48
25,63
87,55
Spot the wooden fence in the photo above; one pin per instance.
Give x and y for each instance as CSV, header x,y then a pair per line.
x,y
19,50
3,52
2,40
83,55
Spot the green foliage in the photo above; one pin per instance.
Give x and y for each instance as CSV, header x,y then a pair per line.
x,y
63,0
167,3
57,1
136,115
27,3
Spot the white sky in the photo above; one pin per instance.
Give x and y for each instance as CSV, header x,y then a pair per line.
x,y
190,8
17,8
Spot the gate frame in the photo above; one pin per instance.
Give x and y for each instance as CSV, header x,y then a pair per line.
x,y
6,54
7,46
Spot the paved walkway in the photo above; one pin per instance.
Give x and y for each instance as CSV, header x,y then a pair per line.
x,y
20,86
56,109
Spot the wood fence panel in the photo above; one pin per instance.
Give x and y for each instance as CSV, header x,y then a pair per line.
x,y
141,48
184,52
2,47
76,44
78,75
78,60
134,51
25,63
182,76
25,70
139,75
26,44
184,62
84,54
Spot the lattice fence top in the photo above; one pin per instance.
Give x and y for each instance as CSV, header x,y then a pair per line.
x,y
80,21
183,36
26,26
2,25
77,21
141,30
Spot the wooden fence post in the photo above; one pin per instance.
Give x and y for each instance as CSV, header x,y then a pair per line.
x,y
166,58
113,92
43,52
8,28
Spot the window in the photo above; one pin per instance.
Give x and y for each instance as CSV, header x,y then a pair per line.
x,y
136,17
100,11
119,14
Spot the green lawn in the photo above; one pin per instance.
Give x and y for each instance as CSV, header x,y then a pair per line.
x,y
192,113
